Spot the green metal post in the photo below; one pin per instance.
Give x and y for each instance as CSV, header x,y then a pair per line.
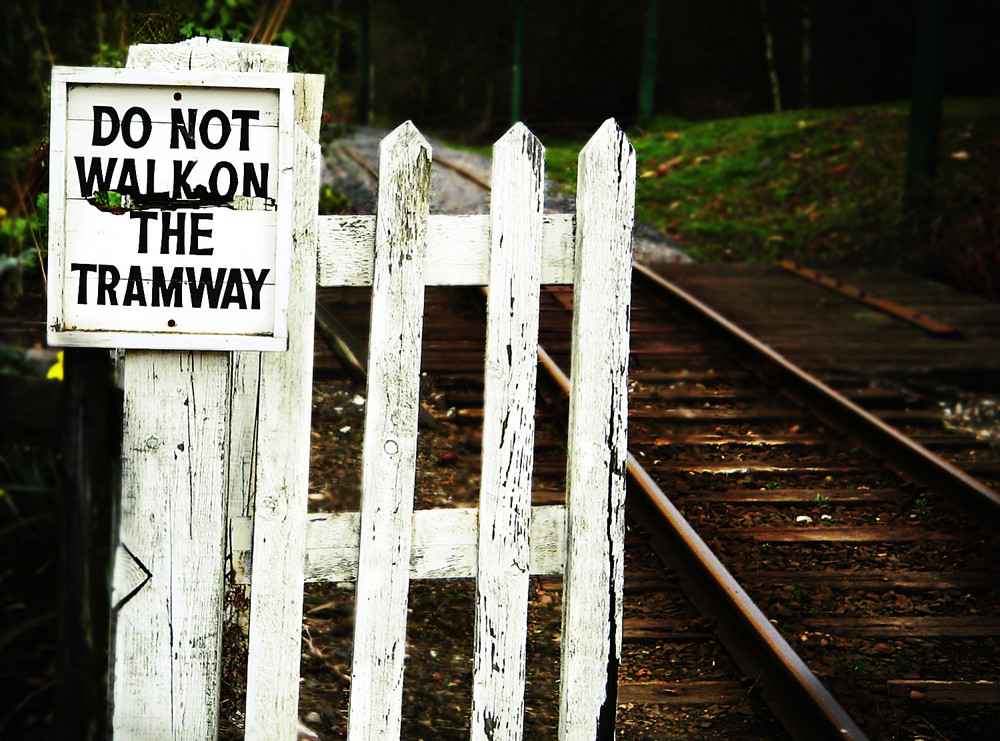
x,y
925,117
650,42
364,64
515,88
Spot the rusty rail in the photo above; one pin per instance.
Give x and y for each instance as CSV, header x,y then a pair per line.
x,y
795,695
917,318
906,455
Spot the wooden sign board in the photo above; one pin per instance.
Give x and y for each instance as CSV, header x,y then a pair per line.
x,y
170,209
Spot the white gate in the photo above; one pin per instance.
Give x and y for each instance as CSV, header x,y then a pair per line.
x,y
242,420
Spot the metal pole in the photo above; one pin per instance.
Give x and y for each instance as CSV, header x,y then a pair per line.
x,y
364,64
515,91
650,42
925,117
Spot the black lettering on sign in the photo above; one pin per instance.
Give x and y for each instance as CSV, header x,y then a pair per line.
x,y
251,180
256,283
177,126
163,292
144,218
101,139
168,233
121,126
232,180
182,171
205,285
95,175
98,175
84,268
182,129
145,127
108,278
245,117
225,129
234,290
135,292
197,231
127,181
211,288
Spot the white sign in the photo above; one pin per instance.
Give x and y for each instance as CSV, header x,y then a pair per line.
x,y
170,209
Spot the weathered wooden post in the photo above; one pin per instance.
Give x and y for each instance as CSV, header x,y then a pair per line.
x,y
147,237
598,418
390,448
508,406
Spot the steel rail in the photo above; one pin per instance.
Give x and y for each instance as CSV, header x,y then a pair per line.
x,y
805,708
907,456
354,156
916,318
465,173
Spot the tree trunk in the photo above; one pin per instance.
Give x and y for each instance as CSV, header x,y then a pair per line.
x,y
806,54
650,41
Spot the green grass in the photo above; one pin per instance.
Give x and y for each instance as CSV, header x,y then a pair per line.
x,y
819,186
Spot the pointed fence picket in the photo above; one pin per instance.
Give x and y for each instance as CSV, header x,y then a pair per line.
x,y
216,452
508,436
390,446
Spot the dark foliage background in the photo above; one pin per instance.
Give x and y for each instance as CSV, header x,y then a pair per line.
x,y
447,63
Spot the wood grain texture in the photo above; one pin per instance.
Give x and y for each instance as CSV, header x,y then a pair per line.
x,y
445,544
208,54
508,436
282,467
166,632
595,482
389,466
458,250
166,628
57,200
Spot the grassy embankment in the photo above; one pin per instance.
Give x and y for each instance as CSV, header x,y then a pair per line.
x,y
818,186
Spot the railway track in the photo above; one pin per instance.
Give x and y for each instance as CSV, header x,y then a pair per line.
x,y
879,583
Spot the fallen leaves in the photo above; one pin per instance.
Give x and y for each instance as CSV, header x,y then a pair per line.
x,y
663,169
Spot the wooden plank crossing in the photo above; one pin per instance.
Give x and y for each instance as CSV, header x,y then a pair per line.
x,y
824,331
683,693
945,691
976,626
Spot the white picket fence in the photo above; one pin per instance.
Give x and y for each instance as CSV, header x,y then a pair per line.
x,y
242,422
